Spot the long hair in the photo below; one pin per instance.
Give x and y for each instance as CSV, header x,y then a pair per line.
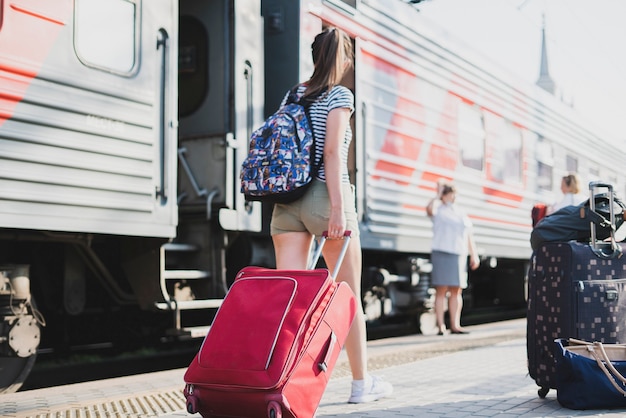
x,y
331,49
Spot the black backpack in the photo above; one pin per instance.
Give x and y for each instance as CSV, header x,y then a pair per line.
x,y
574,222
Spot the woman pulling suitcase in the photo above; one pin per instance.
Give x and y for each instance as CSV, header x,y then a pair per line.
x,y
275,339
329,204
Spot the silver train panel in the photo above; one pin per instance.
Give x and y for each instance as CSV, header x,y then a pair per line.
x,y
87,149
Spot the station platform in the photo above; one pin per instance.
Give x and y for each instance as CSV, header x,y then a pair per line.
x,y
481,374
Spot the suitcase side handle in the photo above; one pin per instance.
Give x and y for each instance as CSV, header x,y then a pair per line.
x,y
318,252
323,365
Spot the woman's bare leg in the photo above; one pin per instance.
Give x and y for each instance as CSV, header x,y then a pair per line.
x,y
440,305
292,250
455,305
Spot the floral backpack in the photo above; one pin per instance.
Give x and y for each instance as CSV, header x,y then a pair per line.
x,y
280,163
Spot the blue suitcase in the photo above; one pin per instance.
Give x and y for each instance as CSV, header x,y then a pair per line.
x,y
575,290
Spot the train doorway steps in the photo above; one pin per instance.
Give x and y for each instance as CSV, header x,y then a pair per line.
x,y
170,279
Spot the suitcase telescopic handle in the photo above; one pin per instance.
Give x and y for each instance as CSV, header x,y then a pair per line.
x,y
615,249
318,251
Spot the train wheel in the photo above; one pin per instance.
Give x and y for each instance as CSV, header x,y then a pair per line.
x,y
274,410
20,328
15,370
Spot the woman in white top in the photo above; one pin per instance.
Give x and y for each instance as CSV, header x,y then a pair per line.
x,y
570,186
452,241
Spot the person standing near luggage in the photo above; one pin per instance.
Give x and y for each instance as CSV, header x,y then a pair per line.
x,y
452,241
329,203
570,186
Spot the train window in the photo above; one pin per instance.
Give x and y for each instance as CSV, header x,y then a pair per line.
x,y
505,146
97,44
571,164
193,71
512,153
544,154
544,176
344,3
471,137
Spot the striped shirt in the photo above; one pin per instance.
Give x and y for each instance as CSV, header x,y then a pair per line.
x,y
338,97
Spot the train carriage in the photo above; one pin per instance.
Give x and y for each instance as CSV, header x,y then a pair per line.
x,y
123,124
87,162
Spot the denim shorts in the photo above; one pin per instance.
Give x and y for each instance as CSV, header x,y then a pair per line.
x,y
312,211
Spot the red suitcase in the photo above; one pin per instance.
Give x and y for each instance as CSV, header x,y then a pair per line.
x,y
273,344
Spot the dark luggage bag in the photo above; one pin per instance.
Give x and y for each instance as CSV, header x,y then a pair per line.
x,y
272,345
575,290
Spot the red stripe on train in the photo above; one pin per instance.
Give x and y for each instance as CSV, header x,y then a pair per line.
x,y
28,32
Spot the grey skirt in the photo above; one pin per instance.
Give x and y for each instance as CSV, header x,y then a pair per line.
x,y
448,269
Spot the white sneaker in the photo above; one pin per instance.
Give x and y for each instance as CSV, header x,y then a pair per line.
x,y
369,390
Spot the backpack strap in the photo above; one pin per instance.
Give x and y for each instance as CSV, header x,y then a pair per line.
x,y
292,97
595,217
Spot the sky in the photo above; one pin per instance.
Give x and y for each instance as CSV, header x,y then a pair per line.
x,y
586,43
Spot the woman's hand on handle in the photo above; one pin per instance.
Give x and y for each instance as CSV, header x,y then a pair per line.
x,y
336,224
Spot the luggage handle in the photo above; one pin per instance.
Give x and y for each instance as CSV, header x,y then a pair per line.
x,y
616,250
596,349
318,252
323,365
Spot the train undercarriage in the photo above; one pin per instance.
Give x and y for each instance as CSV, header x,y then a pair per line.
x,y
69,297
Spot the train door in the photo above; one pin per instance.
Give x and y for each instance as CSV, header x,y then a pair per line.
x,y
220,100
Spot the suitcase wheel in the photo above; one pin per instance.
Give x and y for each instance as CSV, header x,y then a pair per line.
x,y
543,391
192,404
274,410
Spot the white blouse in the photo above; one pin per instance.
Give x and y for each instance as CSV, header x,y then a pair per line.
x,y
451,229
568,200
